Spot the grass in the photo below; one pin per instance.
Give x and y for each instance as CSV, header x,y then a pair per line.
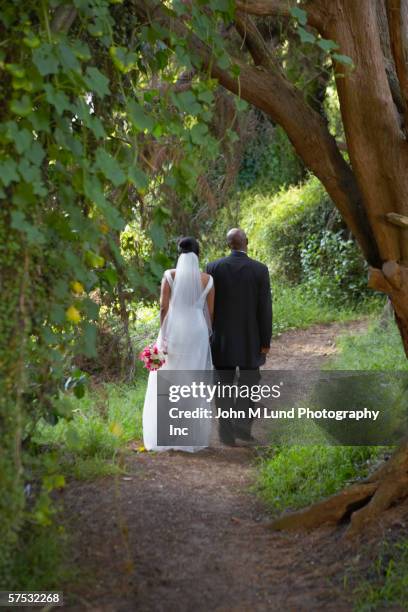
x,y
380,348
297,307
295,476
387,584
103,422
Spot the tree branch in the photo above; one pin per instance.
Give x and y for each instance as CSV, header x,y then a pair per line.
x,y
281,8
396,27
63,18
266,87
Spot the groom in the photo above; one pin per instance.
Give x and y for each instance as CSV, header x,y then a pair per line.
x,y
242,327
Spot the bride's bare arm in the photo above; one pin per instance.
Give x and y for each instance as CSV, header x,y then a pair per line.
x,y
164,299
210,303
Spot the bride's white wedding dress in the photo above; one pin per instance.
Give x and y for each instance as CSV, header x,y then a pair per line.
x,y
185,336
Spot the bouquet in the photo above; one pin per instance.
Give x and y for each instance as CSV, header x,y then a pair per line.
x,y
152,357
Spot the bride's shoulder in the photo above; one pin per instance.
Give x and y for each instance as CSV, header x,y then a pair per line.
x,y
168,275
206,280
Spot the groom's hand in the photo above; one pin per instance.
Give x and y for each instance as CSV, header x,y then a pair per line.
x,y
265,350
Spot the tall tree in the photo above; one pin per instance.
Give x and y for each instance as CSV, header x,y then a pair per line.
x,y
370,188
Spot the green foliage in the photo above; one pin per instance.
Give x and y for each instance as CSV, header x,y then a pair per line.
x,y
82,115
329,46
270,162
334,268
386,586
277,224
301,237
103,422
296,476
40,560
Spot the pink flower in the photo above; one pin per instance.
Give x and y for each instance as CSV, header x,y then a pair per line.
x,y
152,357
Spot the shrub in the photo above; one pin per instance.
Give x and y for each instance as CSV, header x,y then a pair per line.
x,y
302,238
277,225
270,160
334,268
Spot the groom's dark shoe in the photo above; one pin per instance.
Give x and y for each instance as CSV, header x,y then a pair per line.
x,y
226,432
227,441
243,433
247,437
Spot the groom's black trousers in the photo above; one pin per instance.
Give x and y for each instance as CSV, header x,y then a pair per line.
x,y
231,428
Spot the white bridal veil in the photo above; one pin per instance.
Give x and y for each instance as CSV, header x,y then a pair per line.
x,y
185,330
184,336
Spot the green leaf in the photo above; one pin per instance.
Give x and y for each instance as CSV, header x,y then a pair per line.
x,y
19,222
97,81
24,194
93,191
31,174
186,102
199,133
90,120
8,172
156,267
22,138
206,96
235,70
89,339
110,275
58,99
124,61
36,153
110,167
68,58
299,14
40,120
138,178
138,117
343,59
158,235
305,36
45,59
241,104
224,60
16,70
81,50
21,107
327,45
223,6
31,40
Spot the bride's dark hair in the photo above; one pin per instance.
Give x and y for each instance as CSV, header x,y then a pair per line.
x,y
188,244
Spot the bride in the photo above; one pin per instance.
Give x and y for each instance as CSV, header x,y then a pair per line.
x,y
186,314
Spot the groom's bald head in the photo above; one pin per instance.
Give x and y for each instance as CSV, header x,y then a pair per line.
x,y
237,239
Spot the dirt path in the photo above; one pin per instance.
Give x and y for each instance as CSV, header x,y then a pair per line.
x,y
307,349
183,532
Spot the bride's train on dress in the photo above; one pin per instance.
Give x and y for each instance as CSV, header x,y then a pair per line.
x,y
185,336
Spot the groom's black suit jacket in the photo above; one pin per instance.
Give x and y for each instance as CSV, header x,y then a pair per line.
x,y
242,312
